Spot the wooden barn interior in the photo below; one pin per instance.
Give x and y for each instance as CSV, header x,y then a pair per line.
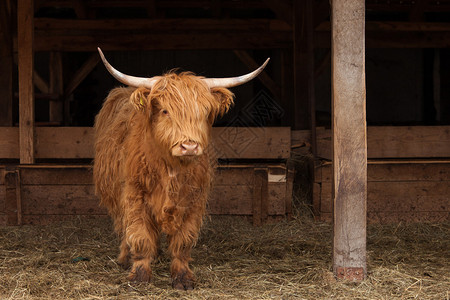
x,y
277,141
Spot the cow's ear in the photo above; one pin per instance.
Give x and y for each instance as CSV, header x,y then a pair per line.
x,y
139,98
225,98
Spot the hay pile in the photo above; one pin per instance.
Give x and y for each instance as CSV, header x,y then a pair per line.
x,y
232,260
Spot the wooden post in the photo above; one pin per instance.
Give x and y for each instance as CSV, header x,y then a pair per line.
x,y
6,63
25,30
349,139
303,54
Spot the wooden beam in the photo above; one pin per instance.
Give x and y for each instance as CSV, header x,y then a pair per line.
x,y
40,83
349,139
248,60
25,30
6,61
148,34
76,27
383,34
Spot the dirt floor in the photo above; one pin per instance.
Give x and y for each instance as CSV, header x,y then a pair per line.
x,y
232,260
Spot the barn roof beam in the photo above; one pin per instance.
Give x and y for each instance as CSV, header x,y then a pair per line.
x,y
241,34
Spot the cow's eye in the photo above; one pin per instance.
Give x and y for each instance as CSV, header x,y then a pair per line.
x,y
165,112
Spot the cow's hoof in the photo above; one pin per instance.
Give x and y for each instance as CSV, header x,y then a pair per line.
x,y
124,262
183,281
140,274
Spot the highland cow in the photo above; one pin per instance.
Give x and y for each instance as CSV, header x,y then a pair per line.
x,y
151,167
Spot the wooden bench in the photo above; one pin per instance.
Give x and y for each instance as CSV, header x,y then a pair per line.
x,y
252,177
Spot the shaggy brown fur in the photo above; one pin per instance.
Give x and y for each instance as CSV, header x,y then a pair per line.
x,y
146,189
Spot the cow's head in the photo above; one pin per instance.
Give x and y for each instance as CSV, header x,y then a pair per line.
x,y
181,107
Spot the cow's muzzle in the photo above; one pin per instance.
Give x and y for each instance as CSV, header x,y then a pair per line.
x,y
188,148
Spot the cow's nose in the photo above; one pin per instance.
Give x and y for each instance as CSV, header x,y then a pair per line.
x,y
189,148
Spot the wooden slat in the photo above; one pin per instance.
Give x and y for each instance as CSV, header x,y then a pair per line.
x,y
349,139
46,219
397,142
409,141
233,176
9,142
48,175
408,196
64,142
408,217
413,171
252,142
60,200
225,200
398,196
25,12
383,142
400,217
228,142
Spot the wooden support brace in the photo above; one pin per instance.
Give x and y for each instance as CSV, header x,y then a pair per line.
x,y
82,73
271,85
349,139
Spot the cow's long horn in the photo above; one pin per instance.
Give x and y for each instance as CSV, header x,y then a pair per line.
x,y
234,81
127,79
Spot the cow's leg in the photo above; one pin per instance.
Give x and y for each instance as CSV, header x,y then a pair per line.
x,y
141,237
180,246
182,276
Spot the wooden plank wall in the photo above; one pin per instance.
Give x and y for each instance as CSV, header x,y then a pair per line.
x,y
398,191
43,194
35,194
51,194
